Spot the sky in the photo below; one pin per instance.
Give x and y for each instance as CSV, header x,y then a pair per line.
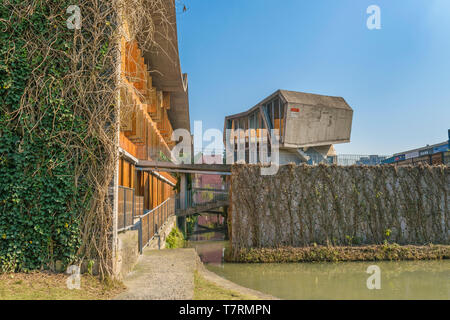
x,y
396,79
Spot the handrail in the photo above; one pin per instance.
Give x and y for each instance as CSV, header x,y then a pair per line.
x,y
127,210
155,208
212,190
126,188
149,224
191,199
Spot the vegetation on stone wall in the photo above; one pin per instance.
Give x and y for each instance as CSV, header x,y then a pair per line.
x,y
339,206
47,138
191,221
390,252
58,127
175,239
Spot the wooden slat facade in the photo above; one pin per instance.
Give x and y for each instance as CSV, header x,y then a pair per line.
x,y
145,129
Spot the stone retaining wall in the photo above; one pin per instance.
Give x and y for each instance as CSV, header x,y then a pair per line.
x,y
331,205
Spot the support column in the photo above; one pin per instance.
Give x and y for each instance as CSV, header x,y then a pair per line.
x,y
225,221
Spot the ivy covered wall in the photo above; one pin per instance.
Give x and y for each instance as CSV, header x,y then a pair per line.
x,y
56,133
331,205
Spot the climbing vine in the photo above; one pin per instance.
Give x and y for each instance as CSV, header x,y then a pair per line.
x,y
41,192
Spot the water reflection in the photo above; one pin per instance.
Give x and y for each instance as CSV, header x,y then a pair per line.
x,y
342,280
346,280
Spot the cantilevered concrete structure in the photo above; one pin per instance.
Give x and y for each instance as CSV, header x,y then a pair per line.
x,y
308,124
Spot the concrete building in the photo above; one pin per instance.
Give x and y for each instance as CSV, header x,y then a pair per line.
x,y
308,125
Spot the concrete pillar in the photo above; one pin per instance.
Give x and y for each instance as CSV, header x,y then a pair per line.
x,y
181,221
226,221
183,190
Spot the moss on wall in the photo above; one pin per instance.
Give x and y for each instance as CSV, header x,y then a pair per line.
x,y
390,252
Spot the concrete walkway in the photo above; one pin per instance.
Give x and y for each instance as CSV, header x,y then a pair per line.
x,y
162,275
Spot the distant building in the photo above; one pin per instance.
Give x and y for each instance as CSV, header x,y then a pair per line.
x,y
202,182
371,160
308,125
208,181
435,154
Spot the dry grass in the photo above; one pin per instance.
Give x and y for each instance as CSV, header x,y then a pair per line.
x,y
49,286
205,290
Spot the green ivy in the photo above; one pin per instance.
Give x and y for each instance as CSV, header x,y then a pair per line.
x,y
190,224
175,239
40,199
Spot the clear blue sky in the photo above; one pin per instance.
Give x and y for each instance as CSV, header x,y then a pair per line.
x,y
397,79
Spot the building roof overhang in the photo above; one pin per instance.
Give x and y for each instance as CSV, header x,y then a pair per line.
x,y
165,65
296,97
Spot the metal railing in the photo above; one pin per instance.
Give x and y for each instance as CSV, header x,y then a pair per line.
x,y
130,207
151,222
200,197
347,159
357,159
315,159
126,208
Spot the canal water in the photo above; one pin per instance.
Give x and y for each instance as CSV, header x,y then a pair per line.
x,y
342,280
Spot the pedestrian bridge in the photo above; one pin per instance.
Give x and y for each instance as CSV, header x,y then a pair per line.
x,y
201,201
197,200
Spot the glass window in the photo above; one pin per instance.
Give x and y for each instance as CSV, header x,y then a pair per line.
x,y
257,120
276,109
277,116
269,114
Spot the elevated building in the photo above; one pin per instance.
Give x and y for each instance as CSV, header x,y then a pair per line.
x,y
308,126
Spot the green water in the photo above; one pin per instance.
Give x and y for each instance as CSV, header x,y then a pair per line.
x,y
344,280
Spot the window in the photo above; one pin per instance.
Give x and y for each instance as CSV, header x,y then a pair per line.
x,y
269,114
274,113
242,123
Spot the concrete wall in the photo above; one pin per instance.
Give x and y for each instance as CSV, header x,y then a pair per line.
x,y
127,252
303,205
128,247
317,125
